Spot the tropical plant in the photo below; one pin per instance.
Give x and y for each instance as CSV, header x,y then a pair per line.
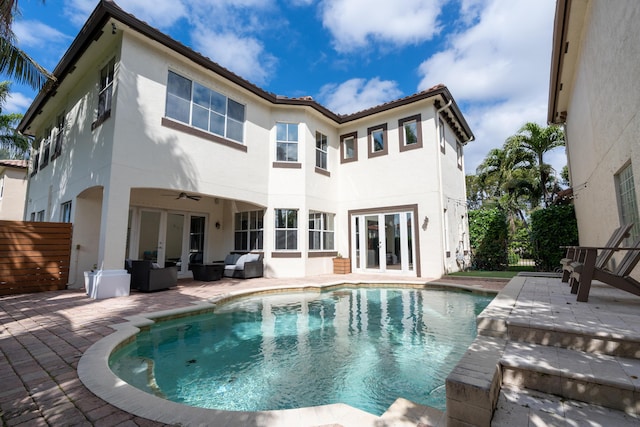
x,y
14,62
537,141
13,145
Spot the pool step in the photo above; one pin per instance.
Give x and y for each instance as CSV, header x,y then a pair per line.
x,y
404,413
517,407
600,379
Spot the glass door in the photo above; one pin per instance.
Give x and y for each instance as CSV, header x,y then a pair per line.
x,y
174,239
149,240
373,242
383,242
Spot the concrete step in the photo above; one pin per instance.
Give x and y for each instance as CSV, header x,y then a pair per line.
x,y
600,379
521,407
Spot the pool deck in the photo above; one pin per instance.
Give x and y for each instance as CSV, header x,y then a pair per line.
x,y
44,335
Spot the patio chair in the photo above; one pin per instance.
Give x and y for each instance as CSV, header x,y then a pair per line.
x,y
576,255
584,273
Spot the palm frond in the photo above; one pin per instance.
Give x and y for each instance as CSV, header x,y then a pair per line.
x,y
16,63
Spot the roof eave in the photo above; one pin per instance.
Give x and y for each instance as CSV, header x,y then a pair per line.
x,y
563,8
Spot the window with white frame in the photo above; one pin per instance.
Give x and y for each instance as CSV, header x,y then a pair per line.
x,y
321,150
321,232
410,132
106,91
287,142
203,108
286,229
627,202
32,218
459,154
57,148
441,130
249,230
46,147
40,216
65,212
35,155
377,137
349,147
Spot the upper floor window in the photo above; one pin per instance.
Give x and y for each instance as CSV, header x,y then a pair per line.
x,y
40,216
35,155
106,91
46,148
321,232
377,137
349,147
57,149
410,132
286,229
249,230
287,142
203,108
459,154
441,134
65,212
321,151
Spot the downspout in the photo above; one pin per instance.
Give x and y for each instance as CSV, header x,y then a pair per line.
x,y
439,154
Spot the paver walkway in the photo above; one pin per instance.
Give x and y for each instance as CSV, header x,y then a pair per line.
x,y
43,336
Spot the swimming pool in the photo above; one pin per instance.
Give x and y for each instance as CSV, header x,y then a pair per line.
x,y
364,347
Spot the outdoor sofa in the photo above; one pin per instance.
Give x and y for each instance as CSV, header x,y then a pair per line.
x,y
243,266
146,277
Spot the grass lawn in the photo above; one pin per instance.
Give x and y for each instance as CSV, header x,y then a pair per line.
x,y
479,273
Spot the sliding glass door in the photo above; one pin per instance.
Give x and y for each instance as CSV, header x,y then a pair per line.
x,y
166,238
383,242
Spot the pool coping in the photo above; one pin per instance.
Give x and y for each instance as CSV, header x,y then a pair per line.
x,y
94,372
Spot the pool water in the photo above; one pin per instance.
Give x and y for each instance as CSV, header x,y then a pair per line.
x,y
364,347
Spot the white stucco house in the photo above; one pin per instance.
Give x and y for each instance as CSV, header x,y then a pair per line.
x,y
13,189
154,151
595,93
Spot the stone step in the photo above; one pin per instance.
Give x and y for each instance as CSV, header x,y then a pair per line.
x,y
521,407
599,379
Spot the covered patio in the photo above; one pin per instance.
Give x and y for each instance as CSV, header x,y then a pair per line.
x,y
542,343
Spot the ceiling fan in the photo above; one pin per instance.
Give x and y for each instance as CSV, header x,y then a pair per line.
x,y
183,196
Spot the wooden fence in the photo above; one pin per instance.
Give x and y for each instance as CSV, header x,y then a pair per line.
x,y
34,256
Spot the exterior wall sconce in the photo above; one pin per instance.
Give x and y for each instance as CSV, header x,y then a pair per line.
x,y
218,225
425,223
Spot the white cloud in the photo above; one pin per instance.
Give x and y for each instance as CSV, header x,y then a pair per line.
x,y
37,34
244,56
16,103
158,13
79,10
355,23
497,69
358,94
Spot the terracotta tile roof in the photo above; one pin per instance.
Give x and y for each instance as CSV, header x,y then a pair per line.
x,y
15,163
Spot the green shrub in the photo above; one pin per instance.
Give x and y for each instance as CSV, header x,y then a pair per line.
x,y
551,228
488,235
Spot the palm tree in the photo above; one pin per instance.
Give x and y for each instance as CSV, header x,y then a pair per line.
x,y
12,144
538,140
13,61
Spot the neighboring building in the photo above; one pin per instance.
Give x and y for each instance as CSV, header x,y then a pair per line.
x,y
595,93
13,189
153,151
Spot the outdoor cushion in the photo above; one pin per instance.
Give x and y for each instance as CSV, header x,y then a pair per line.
x,y
231,259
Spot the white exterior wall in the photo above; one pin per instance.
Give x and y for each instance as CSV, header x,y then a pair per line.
x,y
603,124
14,190
131,160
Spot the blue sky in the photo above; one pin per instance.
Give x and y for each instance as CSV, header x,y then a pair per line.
x,y
493,55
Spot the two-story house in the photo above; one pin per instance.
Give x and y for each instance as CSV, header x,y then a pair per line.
x,y
154,151
13,189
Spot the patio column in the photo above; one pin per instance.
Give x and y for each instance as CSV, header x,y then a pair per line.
x,y
111,279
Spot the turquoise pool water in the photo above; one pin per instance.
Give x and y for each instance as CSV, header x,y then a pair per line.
x,y
363,347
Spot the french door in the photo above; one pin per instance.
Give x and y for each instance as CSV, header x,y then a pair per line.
x,y
167,238
383,242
